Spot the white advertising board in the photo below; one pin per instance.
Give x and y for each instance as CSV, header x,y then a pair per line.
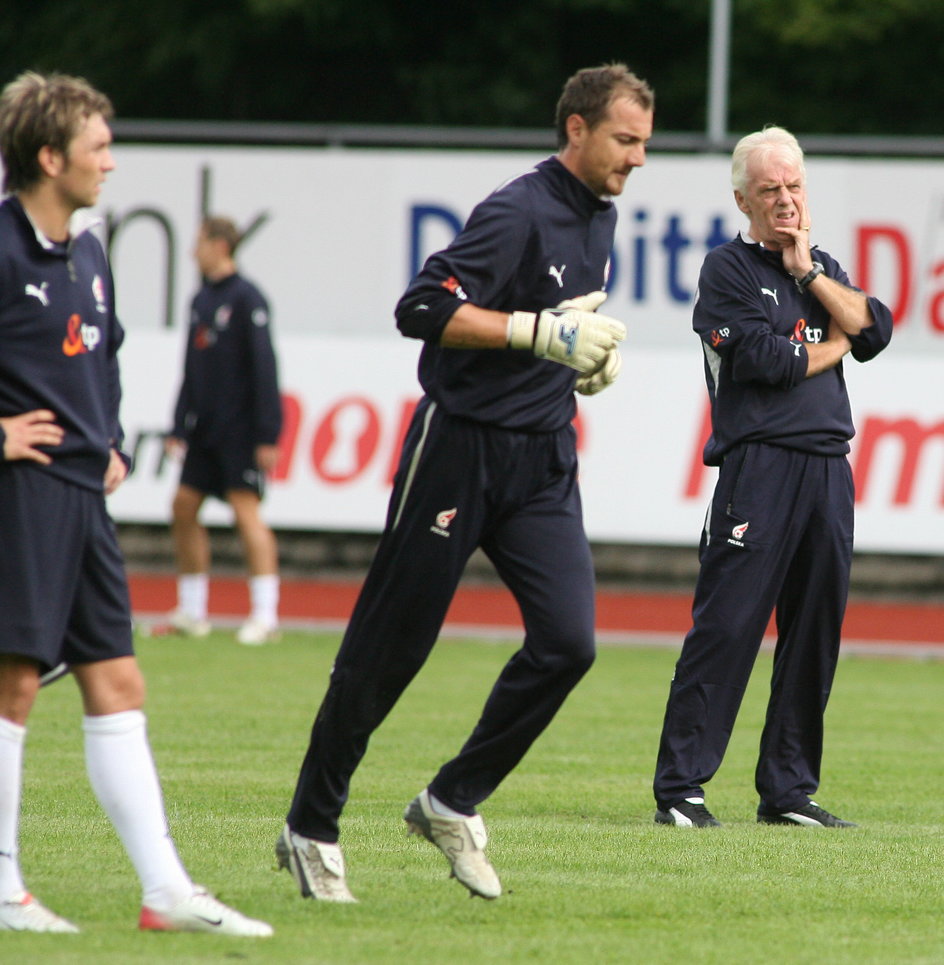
x,y
640,441
334,235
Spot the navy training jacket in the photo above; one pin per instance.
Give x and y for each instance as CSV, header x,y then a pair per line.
x,y
754,324
59,339
230,389
539,239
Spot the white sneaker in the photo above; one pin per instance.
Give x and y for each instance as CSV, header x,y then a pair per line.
x,y
203,913
181,624
254,633
23,912
317,867
461,840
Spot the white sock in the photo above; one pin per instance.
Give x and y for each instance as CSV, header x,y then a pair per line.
x,y
444,809
193,590
264,598
12,739
121,770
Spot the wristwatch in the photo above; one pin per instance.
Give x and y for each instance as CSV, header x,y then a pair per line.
x,y
804,282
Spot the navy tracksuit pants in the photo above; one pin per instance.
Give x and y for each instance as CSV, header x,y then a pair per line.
x,y
460,485
778,537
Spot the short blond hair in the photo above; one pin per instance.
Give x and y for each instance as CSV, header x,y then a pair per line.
x,y
42,110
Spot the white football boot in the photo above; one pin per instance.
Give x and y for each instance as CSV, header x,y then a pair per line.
x,y
316,866
180,624
254,633
23,912
201,912
461,840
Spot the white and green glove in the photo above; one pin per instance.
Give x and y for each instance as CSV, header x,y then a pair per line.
x,y
572,334
606,374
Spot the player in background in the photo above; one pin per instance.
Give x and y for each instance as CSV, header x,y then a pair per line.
x,y
507,314
776,316
63,590
227,422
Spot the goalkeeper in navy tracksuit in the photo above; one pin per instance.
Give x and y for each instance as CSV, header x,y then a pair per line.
x,y
489,460
776,318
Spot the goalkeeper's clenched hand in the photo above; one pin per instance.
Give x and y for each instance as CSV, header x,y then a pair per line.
x,y
600,378
572,334
607,372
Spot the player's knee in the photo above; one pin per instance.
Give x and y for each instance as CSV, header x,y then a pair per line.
x,y
19,684
584,657
572,655
111,686
186,504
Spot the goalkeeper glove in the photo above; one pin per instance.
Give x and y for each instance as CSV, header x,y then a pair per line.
x,y
585,303
608,371
571,334
606,374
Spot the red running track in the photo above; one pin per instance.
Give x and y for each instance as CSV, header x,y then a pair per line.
x,y
619,614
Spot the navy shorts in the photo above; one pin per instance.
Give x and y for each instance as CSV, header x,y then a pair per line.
x,y
215,470
63,588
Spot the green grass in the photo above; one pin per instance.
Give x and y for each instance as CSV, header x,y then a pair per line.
x,y
588,878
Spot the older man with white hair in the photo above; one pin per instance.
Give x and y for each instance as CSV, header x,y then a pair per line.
x,y
776,316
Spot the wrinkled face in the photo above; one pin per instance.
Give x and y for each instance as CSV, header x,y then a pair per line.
x,y
86,164
775,193
603,157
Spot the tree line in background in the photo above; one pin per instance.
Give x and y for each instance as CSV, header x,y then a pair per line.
x,y
815,66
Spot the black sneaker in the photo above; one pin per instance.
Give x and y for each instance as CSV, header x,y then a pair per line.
x,y
690,813
810,816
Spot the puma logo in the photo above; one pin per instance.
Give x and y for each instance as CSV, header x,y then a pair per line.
x,y
558,273
38,292
772,293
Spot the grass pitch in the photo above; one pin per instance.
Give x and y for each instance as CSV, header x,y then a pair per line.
x,y
588,877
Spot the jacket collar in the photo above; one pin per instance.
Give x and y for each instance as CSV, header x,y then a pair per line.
x,y
572,188
78,225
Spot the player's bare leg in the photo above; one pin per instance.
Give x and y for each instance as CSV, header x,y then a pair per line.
x,y
192,554
262,560
122,773
19,684
191,541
